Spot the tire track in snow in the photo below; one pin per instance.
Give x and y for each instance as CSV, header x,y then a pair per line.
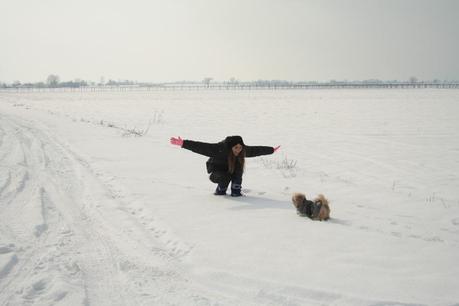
x,y
29,219
55,232
77,242
6,182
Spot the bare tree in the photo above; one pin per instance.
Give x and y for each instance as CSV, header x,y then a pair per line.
x,y
52,80
207,81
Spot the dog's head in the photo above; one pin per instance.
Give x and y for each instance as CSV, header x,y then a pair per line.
x,y
298,199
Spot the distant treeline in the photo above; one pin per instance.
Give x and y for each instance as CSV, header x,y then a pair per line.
x,y
69,84
53,81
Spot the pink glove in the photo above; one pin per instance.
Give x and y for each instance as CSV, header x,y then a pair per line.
x,y
276,148
177,141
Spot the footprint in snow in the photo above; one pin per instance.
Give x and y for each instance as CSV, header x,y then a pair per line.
x,y
4,249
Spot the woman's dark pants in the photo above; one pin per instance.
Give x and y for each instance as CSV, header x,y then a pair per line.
x,y
223,178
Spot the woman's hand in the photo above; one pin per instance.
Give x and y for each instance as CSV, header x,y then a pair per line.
x,y
177,141
276,148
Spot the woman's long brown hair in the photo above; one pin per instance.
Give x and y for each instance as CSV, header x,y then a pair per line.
x,y
232,160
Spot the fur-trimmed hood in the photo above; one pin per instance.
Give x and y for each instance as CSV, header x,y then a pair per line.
x,y
231,141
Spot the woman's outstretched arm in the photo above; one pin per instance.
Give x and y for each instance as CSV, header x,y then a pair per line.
x,y
203,148
252,151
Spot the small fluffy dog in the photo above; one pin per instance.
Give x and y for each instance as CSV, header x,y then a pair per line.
x,y
318,209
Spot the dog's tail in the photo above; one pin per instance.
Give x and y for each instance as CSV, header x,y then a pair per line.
x,y
321,198
325,210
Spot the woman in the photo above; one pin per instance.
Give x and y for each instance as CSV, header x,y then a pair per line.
x,y
226,160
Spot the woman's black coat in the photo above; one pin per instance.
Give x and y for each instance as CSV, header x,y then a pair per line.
x,y
218,153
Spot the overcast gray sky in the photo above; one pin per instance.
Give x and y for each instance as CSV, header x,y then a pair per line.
x,y
148,40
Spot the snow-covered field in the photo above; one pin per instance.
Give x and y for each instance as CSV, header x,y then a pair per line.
x,y
92,214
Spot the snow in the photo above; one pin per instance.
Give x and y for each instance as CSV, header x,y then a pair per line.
x,y
93,214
